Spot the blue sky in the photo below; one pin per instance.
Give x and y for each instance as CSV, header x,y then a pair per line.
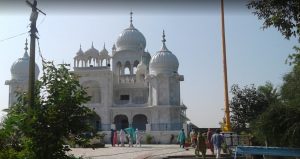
x,y
254,56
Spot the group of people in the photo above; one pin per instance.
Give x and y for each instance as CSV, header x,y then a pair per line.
x,y
213,141
129,134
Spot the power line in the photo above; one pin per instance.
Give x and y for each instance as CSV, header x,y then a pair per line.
x,y
42,21
5,39
13,36
40,52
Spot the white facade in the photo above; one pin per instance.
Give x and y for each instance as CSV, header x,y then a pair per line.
x,y
136,90
128,87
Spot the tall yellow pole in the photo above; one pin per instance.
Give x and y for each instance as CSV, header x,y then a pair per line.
x,y
227,126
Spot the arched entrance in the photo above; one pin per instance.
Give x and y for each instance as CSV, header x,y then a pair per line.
x,y
121,122
139,121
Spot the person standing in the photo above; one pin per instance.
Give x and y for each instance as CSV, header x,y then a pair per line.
x,y
138,137
201,146
217,140
209,143
115,139
131,136
181,138
122,137
112,137
193,137
130,142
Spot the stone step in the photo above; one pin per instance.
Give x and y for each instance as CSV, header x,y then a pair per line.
x,y
223,156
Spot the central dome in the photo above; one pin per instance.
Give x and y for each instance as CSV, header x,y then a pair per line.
x,y
131,39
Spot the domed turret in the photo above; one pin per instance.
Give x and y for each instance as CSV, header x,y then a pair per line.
x,y
92,52
103,52
80,52
164,61
131,39
20,68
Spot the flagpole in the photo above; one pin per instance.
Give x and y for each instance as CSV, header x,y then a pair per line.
x,y
227,126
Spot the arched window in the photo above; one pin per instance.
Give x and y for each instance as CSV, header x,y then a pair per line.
x,y
119,68
127,68
126,71
104,62
135,66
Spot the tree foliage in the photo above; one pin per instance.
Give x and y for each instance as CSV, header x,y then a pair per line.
x,y
290,89
269,92
282,14
40,132
279,126
246,104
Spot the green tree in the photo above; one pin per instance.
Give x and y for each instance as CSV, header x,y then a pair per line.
x,y
246,104
280,124
281,14
290,90
270,93
58,114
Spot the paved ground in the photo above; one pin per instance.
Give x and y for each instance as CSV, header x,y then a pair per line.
x,y
144,152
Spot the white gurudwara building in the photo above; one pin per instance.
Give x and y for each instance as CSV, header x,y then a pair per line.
x,y
129,87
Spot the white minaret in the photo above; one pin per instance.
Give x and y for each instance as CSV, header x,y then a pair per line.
x,y
164,79
19,77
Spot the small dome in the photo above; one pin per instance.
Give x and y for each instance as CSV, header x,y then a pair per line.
x,y
20,68
92,52
114,47
163,61
131,39
103,52
80,52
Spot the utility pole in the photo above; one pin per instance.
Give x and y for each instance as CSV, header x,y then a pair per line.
x,y
33,36
227,126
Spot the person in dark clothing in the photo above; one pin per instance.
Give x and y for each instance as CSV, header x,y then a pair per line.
x,y
209,143
217,140
112,137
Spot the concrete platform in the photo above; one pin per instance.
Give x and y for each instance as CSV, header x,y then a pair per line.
x,y
143,152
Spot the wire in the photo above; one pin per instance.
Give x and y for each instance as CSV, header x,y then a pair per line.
x,y
40,52
2,40
42,21
13,36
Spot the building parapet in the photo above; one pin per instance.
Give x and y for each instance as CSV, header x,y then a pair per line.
x,y
92,68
